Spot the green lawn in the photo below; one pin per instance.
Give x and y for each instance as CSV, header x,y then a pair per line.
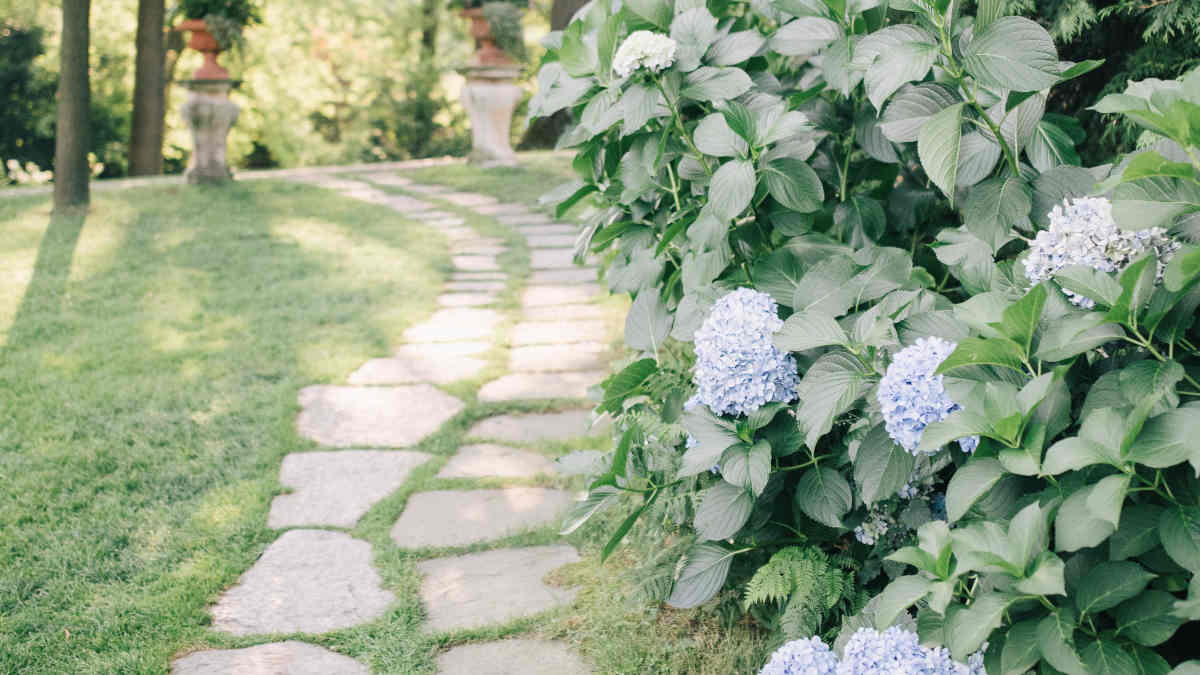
x,y
150,358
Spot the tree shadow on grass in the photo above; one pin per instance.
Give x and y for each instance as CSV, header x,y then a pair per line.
x,y
44,293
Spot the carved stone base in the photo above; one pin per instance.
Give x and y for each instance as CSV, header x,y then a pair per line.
x,y
490,97
210,115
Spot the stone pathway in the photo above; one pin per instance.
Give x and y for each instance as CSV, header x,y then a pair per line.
x,y
312,581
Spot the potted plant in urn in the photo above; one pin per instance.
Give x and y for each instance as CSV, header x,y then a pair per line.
x,y
216,26
496,28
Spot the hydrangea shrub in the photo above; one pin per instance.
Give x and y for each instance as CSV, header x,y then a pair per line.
x,y
881,316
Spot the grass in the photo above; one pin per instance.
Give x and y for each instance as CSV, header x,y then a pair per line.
x,y
151,356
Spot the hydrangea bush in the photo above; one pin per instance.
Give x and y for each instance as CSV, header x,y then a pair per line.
x,y
897,356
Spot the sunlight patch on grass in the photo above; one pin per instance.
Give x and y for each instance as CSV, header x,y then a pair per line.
x,y
100,239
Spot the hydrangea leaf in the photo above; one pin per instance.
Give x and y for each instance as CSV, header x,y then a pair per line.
x,y
694,31
779,275
626,383
938,147
713,136
893,57
824,495
1137,533
1075,527
828,389
978,157
657,12
1179,530
595,500
716,84
1052,187
706,566
1013,53
970,483
1168,439
712,437
1146,618
1106,657
994,208
1056,640
899,595
1020,651
732,188
1108,585
969,628
1050,146
736,47
1000,352
648,323
911,107
747,466
1047,577
881,467
794,184
808,330
805,36
724,509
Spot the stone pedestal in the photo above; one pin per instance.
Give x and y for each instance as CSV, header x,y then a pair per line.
x,y
490,97
210,115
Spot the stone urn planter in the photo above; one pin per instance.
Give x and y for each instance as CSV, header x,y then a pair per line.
x,y
204,42
490,95
487,52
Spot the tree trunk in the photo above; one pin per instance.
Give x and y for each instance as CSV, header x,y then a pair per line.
x,y
74,98
543,132
146,136
562,11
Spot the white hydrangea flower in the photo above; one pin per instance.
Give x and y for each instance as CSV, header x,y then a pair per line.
x,y
1083,232
644,49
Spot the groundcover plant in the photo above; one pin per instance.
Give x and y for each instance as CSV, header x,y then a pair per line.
x,y
899,359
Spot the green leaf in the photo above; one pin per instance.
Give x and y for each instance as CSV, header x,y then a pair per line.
x,y
712,436
741,120
970,483
693,30
626,383
808,330
1075,527
1020,651
995,207
794,184
1056,641
1108,585
735,47
984,352
1020,319
1028,534
828,389
1107,497
1146,618
1089,283
723,510
1150,164
895,56
823,495
1137,283
576,55
595,500
747,466
899,595
938,145
779,275
626,525
648,323
958,424
1104,657
1078,69
1179,529
1183,269
716,84
713,136
1047,577
862,218
1050,146
881,467
1168,439
1072,454
732,188
702,576
1072,335
911,107
657,12
1013,53
969,628
805,36
1137,533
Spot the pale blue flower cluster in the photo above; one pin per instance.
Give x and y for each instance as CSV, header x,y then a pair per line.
x,y
738,367
895,651
898,651
912,396
802,657
873,528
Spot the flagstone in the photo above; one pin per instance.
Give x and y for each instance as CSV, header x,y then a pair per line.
x,y
550,358
567,312
448,325
475,286
407,205
573,275
531,218
467,299
477,249
550,240
532,386
480,589
540,296
438,350
337,488
438,217
274,658
307,581
389,179
551,258
552,228
429,188
478,276
534,427
481,461
417,368
392,417
502,208
475,263
440,518
558,332
508,657
467,198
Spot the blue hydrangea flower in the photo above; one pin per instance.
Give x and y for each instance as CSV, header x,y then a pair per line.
x,y
912,397
872,529
802,657
896,651
738,367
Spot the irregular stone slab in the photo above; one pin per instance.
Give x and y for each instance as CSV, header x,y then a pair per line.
x,y
481,461
525,219
448,325
552,358
467,299
461,517
332,182
477,250
366,193
510,657
407,205
534,427
475,286
274,658
554,228
505,208
417,368
439,217
390,179
529,386
573,275
391,417
567,312
478,276
467,198
429,188
558,332
307,581
479,589
337,488
441,350
550,240
551,258
540,296
475,263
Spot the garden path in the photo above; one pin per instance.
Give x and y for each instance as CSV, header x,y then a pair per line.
x,y
317,577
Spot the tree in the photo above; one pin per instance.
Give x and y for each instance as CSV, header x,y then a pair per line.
x,y
74,98
543,132
146,130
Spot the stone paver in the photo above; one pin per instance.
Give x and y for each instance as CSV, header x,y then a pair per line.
x,y
550,240
552,228
534,427
406,205
557,357
475,263
540,296
467,198
533,386
558,332
307,581
525,219
573,275
337,488
394,417
407,370
475,286
467,299
448,325
551,258
481,461
389,179
498,209
512,657
442,350
566,312
478,276
429,188
461,517
274,658
439,217
483,250
478,589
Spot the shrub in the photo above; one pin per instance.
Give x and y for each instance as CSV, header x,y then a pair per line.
x,y
889,177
